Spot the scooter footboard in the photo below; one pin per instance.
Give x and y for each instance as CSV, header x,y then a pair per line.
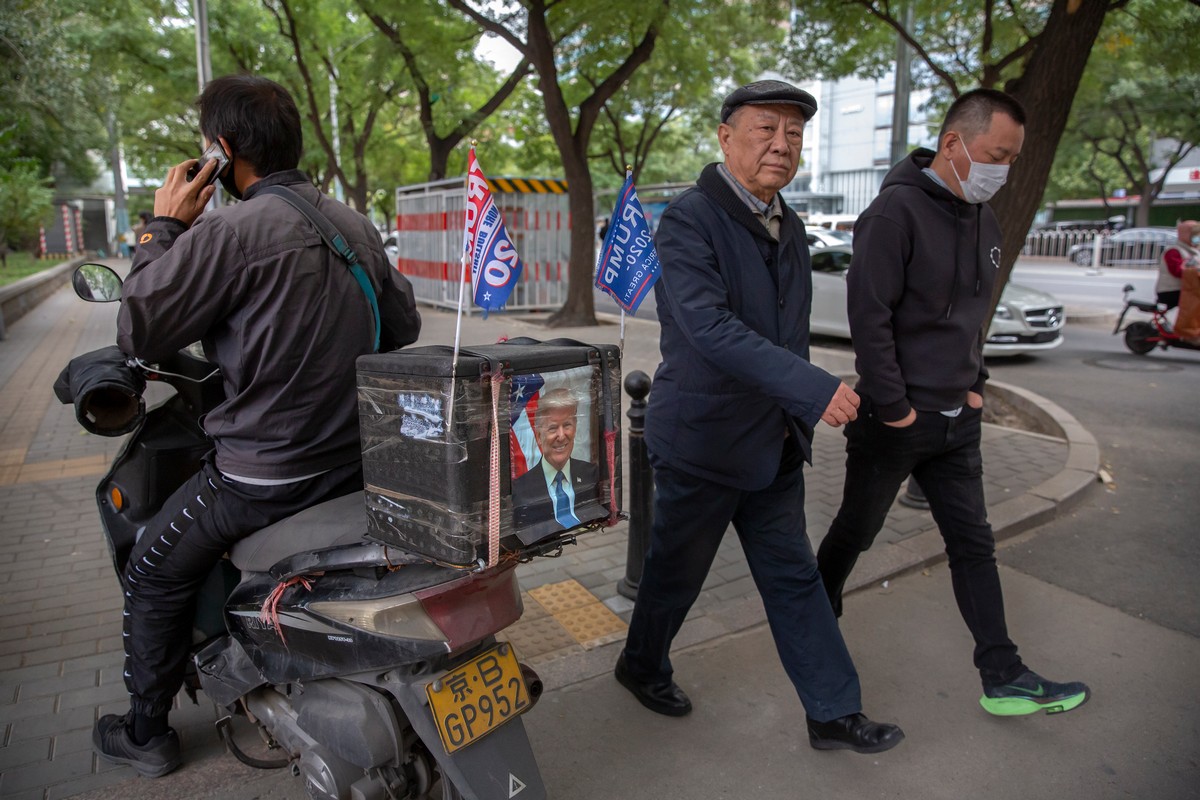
x,y
497,767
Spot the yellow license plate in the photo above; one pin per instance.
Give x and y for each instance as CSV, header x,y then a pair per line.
x,y
477,697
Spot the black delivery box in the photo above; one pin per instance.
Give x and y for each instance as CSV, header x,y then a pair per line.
x,y
427,441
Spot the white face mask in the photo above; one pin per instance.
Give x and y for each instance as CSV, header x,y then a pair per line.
x,y
983,181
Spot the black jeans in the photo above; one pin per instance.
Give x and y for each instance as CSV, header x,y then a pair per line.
x,y
177,551
691,516
943,454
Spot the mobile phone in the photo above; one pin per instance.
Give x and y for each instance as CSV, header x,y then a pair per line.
x,y
214,152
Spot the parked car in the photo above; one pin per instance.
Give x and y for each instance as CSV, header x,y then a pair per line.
x,y
1130,247
1026,320
825,237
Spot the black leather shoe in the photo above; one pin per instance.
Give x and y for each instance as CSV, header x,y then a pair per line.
x,y
854,732
664,697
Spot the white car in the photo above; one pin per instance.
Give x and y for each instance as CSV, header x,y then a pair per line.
x,y
1025,321
824,237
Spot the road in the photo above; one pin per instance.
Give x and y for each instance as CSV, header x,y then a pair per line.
x,y
1080,287
1133,546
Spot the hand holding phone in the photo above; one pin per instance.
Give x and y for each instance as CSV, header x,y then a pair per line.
x,y
214,152
181,196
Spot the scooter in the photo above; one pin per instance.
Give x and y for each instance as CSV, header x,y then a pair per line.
x,y
370,673
1141,336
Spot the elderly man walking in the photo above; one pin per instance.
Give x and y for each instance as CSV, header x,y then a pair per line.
x,y
731,418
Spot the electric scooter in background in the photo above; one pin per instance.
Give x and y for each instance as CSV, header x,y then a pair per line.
x,y
1141,336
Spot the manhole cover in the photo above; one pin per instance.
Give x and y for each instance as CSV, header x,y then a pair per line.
x,y
1131,363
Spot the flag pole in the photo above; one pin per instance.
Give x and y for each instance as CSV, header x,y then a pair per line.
x,y
462,278
622,349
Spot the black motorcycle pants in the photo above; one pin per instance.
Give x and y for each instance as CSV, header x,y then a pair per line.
x,y
176,552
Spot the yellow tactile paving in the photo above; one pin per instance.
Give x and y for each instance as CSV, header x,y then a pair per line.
x,y
592,625
562,596
538,637
581,615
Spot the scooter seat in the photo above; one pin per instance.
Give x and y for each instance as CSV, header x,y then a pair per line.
x,y
342,520
1144,305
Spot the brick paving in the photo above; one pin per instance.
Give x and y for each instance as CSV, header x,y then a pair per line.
x,y
60,650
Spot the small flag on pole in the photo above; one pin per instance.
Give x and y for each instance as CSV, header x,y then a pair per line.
x,y
628,264
495,266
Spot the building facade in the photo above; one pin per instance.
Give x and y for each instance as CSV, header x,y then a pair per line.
x,y
847,146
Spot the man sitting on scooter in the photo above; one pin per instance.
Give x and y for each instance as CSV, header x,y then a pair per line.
x,y
284,319
1173,259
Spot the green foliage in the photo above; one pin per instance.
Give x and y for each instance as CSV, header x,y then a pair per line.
x,y
20,265
1136,109
670,105
45,82
24,202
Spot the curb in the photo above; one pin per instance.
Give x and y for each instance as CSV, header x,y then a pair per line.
x,y
18,299
1036,506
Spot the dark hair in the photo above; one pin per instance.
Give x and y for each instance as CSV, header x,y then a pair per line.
x,y
971,114
257,117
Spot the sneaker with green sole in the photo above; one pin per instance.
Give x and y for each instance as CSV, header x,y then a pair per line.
x,y
1030,693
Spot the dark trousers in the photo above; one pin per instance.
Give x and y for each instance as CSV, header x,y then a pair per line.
x,y
176,552
691,516
943,454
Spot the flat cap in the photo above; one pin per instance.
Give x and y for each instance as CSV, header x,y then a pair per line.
x,y
761,93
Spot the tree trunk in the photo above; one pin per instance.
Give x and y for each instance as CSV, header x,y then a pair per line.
x,y
580,307
572,142
1141,217
1046,88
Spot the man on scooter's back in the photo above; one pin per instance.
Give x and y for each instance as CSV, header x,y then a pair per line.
x,y
284,319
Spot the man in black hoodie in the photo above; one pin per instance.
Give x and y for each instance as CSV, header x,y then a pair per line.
x,y
926,256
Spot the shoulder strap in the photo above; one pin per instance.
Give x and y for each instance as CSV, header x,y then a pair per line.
x,y
336,242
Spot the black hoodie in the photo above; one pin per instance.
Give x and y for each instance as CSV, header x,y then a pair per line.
x,y
920,291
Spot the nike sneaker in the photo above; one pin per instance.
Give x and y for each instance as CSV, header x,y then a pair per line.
x,y
1030,693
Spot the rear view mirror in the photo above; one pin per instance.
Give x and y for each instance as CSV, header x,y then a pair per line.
x,y
96,283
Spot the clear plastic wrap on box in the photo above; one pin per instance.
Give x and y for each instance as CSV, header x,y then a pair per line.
x,y
429,442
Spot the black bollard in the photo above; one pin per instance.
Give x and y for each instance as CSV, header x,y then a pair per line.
x,y
641,485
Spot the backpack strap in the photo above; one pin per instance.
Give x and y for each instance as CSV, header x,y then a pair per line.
x,y
336,242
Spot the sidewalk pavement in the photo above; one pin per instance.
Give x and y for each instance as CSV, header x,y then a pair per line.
x,y
60,648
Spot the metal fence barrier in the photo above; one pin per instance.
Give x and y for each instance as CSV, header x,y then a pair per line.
x,y
1100,248
429,235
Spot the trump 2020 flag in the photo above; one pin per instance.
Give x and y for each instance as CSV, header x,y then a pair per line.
x,y
628,263
495,266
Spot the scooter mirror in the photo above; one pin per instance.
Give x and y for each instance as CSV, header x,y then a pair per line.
x,y
96,283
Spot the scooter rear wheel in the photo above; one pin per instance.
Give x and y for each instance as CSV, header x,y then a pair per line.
x,y
1137,338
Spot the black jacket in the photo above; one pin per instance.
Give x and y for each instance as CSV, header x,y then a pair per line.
x,y
919,293
733,305
279,313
